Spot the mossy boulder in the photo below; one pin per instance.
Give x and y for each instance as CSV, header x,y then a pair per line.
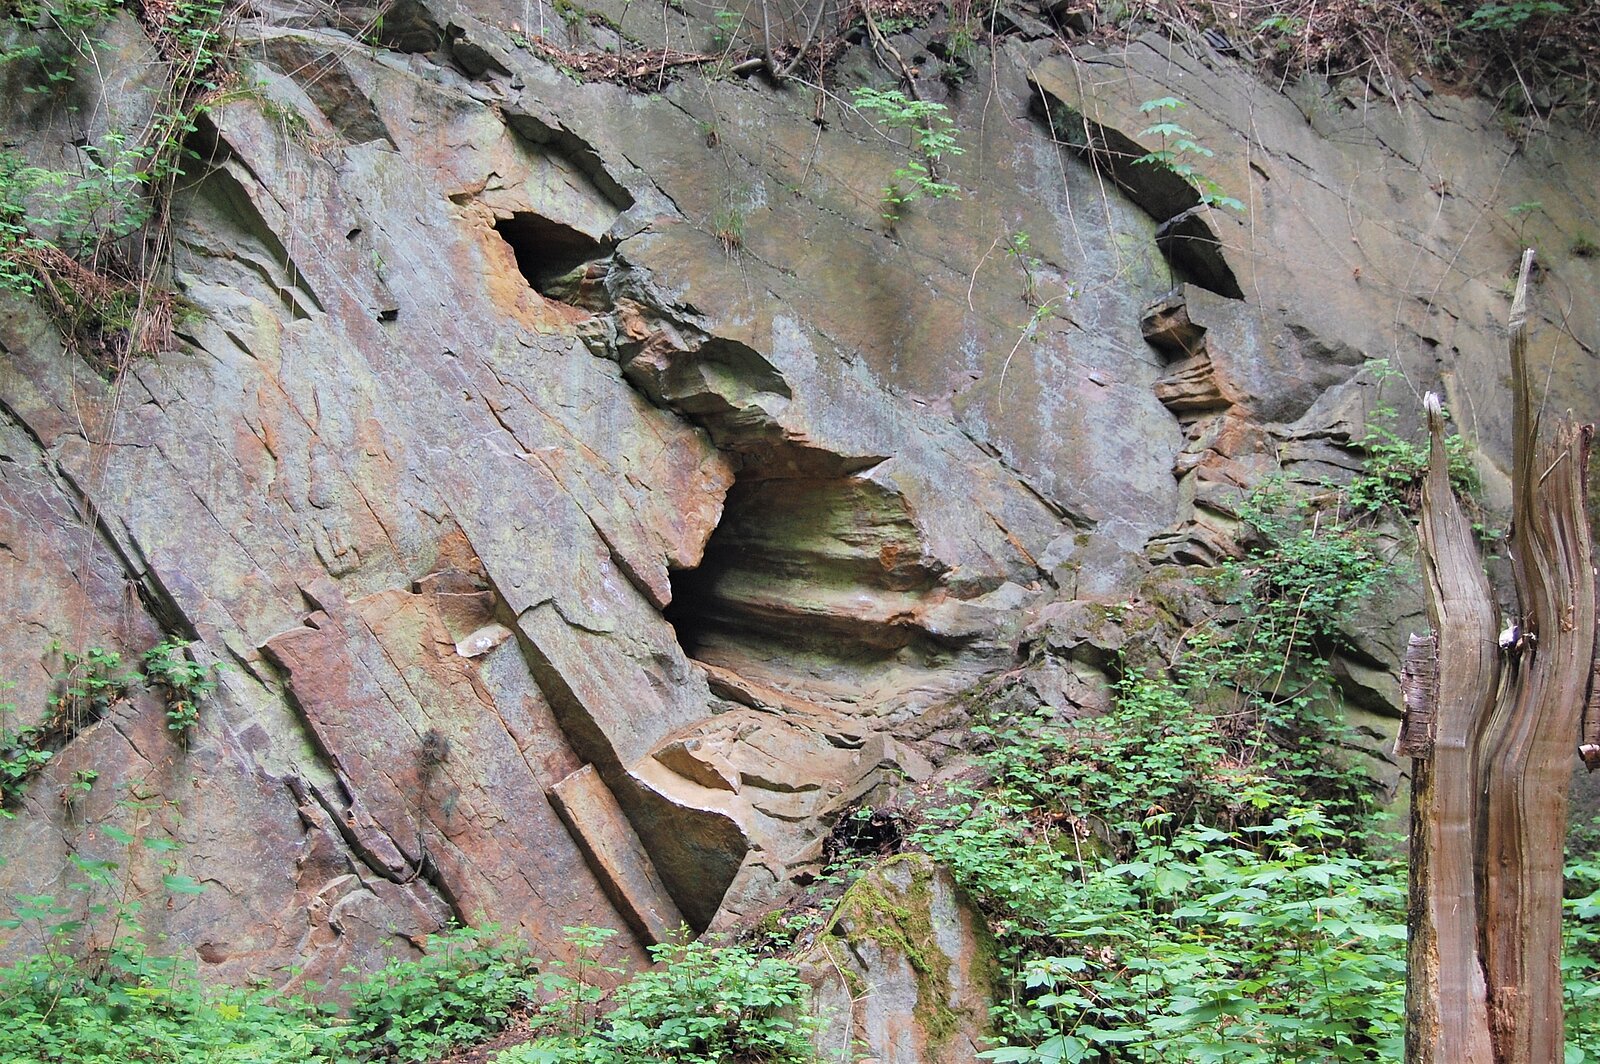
x,y
903,973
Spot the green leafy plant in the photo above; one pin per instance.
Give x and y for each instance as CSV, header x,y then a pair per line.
x,y
1184,878
704,1003
1192,875
85,688
122,1002
1521,213
82,783
67,236
933,138
21,755
1503,18
1177,153
61,34
87,685
1281,25
467,984
725,28
1582,959
1133,929
170,665
1393,466
1018,251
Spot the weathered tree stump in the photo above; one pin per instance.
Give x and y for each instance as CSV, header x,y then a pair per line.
x,y
1493,726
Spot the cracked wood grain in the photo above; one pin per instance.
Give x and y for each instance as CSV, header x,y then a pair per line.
x,y
1489,807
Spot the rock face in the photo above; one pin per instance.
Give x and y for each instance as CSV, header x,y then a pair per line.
x,y
904,971
593,500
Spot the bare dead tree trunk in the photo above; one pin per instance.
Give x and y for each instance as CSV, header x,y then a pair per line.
x,y
1446,1000
1492,727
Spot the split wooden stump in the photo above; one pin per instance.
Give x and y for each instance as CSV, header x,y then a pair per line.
x,y
1495,714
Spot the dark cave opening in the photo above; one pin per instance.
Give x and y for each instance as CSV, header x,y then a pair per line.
x,y
805,573
546,249
691,597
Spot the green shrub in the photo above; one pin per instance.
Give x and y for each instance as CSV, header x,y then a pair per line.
x,y
467,985
1170,940
1184,878
186,681
1189,877
1507,18
142,1007
705,1004
122,1002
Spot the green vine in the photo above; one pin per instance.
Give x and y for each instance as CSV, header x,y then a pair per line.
x,y
87,685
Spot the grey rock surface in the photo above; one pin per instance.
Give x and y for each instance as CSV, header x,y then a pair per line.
x,y
486,438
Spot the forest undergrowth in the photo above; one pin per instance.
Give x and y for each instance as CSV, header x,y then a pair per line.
x,y
1202,874
1198,874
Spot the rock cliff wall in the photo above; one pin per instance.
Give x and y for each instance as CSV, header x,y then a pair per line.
x,y
591,494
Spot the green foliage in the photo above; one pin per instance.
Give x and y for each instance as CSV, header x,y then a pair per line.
x,y
706,1004
71,210
85,688
1184,878
121,1002
1506,18
1395,466
129,1004
1132,929
1189,876
186,681
1018,250
703,1004
726,29
60,36
1281,25
21,755
1303,570
64,233
933,138
466,986
1582,960
1178,151
143,1007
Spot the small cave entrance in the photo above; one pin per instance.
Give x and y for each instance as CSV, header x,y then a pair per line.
x,y
808,579
547,249
692,607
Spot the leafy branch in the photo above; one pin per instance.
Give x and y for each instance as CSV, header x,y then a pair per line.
x,y
932,139
1178,150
